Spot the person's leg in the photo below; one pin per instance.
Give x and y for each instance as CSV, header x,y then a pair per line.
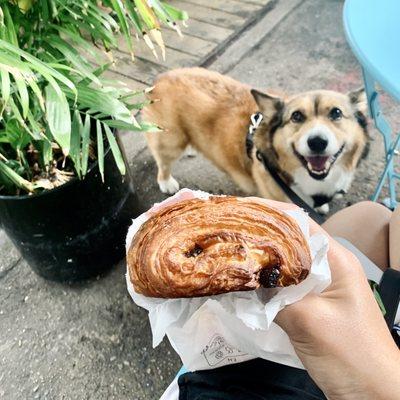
x,y
366,226
394,239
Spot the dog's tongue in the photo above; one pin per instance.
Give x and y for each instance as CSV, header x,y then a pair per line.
x,y
317,162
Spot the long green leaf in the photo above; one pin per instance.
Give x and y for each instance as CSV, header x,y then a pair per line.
x,y
12,36
102,17
63,67
53,8
13,134
118,7
176,14
76,134
93,15
83,43
47,154
161,12
119,159
20,70
100,149
39,66
147,14
18,180
85,144
98,71
23,92
96,29
138,106
5,86
136,22
36,129
73,57
132,93
59,118
144,127
12,63
101,101
17,115
35,88
45,13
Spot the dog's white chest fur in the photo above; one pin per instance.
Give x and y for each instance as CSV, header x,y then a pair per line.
x,y
306,187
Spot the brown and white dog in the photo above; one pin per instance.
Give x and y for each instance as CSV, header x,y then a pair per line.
x,y
315,139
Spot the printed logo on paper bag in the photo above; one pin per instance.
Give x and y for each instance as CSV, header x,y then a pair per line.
x,y
219,350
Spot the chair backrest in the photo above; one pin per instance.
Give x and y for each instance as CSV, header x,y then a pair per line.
x,y
373,31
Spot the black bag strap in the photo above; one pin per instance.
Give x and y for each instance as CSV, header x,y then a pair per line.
x,y
389,290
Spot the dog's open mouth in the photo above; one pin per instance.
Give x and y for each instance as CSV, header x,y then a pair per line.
x,y
318,166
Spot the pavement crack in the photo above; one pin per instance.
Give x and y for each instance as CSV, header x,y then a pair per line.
x,y
5,272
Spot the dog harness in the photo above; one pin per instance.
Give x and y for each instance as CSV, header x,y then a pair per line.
x,y
255,122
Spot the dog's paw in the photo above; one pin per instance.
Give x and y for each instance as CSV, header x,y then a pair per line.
x,y
169,186
339,195
324,209
190,152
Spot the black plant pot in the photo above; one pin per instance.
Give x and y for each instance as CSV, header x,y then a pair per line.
x,y
77,230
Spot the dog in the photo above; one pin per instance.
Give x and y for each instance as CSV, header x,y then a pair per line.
x,y
315,140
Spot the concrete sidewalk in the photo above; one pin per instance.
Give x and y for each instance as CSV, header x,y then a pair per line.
x,y
89,341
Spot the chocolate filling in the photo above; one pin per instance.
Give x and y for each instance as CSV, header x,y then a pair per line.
x,y
195,251
268,277
303,275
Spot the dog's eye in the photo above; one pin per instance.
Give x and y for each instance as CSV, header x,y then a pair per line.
x,y
335,114
297,117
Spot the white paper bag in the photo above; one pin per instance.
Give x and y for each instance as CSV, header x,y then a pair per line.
x,y
210,332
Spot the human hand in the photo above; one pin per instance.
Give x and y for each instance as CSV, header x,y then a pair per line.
x,y
340,335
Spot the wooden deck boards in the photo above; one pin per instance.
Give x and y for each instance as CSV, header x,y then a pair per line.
x,y
209,15
211,24
236,7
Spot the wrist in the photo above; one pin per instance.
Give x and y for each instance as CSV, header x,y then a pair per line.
x,y
384,379
377,379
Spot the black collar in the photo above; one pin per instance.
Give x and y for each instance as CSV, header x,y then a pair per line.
x,y
255,121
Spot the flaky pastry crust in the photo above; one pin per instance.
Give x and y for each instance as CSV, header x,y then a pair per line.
x,y
202,247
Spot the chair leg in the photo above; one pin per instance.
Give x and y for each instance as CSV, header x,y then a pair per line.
x,y
369,90
391,200
390,147
381,181
391,176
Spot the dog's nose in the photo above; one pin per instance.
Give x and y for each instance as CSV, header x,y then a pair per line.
x,y
317,144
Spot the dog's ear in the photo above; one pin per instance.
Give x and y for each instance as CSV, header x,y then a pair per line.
x,y
358,100
268,105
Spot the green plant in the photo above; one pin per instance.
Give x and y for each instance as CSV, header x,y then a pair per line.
x,y
57,111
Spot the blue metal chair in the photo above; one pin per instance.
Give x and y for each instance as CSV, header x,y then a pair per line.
x,y
373,32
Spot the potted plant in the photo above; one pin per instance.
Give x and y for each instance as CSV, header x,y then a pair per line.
x,y
66,197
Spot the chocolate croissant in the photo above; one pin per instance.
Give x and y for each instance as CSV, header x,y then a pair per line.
x,y
205,247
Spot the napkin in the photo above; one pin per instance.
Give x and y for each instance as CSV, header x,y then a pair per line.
x,y
210,332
